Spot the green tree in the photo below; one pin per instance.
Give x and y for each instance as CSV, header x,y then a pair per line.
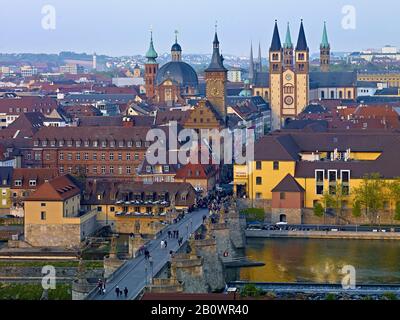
x,y
393,195
250,290
356,209
334,199
318,210
370,195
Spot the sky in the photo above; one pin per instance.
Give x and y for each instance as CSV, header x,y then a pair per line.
x,y
121,27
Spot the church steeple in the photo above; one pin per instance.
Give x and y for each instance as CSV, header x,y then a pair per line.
x,y
217,61
259,62
275,52
288,40
176,50
216,79
151,68
325,51
302,41
288,49
151,54
251,65
276,44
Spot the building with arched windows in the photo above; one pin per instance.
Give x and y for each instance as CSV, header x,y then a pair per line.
x,y
289,85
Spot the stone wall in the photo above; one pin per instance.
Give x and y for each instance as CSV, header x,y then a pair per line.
x,y
212,264
386,218
188,269
293,216
47,235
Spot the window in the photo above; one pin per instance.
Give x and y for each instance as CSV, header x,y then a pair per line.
x,y
43,204
94,156
258,195
128,170
258,181
111,169
319,181
32,183
111,156
112,209
99,209
103,170
276,165
258,165
136,156
103,156
128,157
120,170
345,175
43,215
166,168
86,156
61,170
138,144
18,183
119,156
282,195
61,156
78,156
69,157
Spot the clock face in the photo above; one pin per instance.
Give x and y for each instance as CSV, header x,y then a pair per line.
x,y
288,77
215,91
289,101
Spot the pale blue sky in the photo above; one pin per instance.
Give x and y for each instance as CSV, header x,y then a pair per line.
x,y
121,27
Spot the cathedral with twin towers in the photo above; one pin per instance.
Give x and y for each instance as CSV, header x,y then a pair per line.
x,y
287,83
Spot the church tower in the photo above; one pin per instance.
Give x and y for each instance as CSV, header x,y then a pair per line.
x,y
302,59
151,68
325,51
216,79
275,77
176,50
259,61
288,50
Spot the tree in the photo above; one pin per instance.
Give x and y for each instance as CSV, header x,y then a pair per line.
x,y
335,200
356,209
370,195
393,194
318,210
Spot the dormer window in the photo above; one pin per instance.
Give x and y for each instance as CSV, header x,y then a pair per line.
x,y
112,144
36,143
99,197
148,169
95,144
138,144
78,143
32,183
18,183
166,168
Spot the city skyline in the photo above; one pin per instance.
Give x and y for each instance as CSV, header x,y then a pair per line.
x,y
120,30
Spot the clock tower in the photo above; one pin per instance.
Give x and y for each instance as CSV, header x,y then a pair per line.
x,y
216,78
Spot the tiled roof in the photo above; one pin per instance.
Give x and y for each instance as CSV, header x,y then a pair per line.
x,y
332,79
58,189
92,134
288,184
39,175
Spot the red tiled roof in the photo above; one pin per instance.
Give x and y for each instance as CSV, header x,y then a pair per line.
x,y
58,189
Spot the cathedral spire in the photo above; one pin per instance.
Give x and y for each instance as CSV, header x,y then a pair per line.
x,y
276,44
259,58
288,41
302,41
251,66
325,42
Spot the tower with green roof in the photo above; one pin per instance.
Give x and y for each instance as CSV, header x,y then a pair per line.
x,y
288,50
151,68
325,51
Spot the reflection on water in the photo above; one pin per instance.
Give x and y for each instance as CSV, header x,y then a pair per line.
x,y
321,261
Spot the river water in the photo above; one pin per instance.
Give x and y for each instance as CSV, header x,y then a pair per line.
x,y
321,261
